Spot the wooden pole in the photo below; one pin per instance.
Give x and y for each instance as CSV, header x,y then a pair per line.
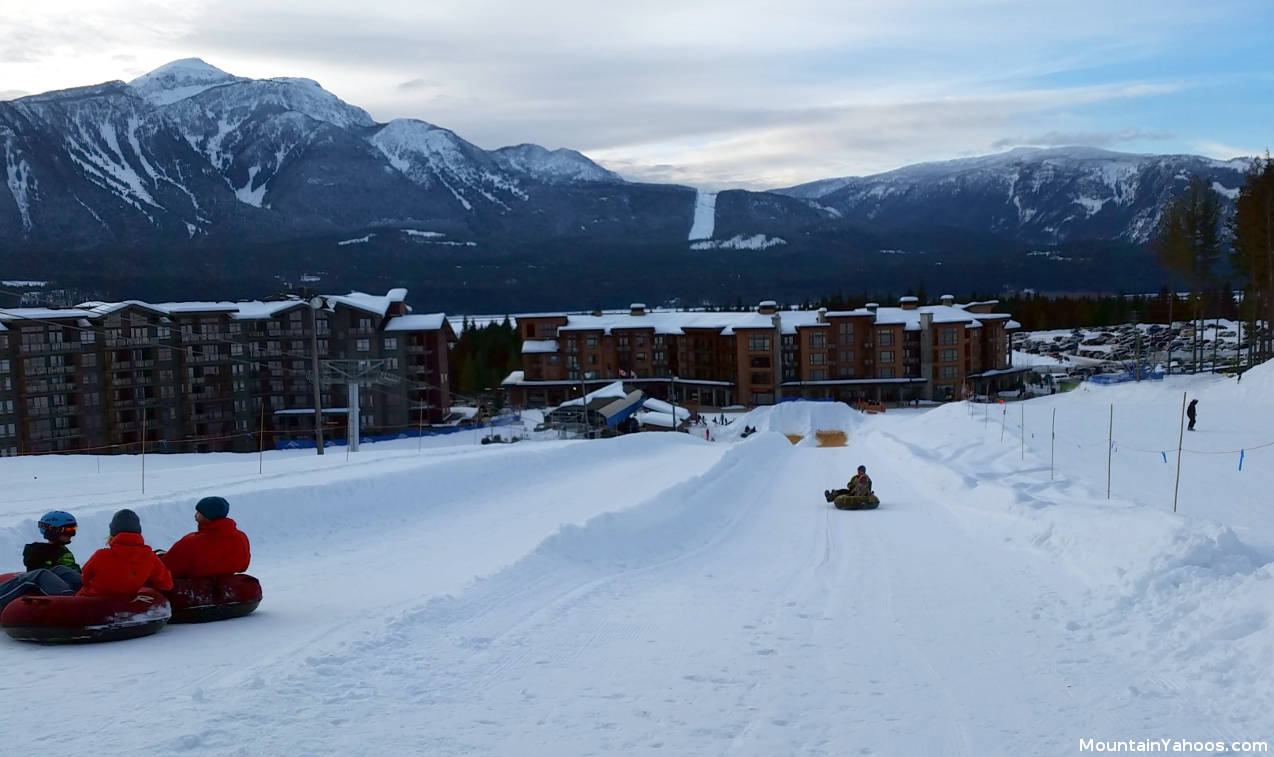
x,y
1110,447
261,441
1023,431
420,431
1004,415
143,450
1052,443
1180,438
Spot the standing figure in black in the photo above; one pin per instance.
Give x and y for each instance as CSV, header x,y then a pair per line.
x,y
1190,414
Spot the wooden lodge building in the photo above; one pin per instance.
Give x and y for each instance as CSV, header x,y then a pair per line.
x,y
210,376
717,359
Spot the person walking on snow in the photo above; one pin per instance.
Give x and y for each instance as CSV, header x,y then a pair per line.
x,y
50,567
1190,414
126,564
218,548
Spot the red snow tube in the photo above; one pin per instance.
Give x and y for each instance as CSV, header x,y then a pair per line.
x,y
74,619
200,600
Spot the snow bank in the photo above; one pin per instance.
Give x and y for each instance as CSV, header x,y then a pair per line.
x,y
798,418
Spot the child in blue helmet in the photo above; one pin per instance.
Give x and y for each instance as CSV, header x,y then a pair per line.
x,y
58,528
51,568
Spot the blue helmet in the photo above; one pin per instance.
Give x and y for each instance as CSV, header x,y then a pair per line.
x,y
55,523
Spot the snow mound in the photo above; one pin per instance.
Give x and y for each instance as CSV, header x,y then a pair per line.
x,y
800,418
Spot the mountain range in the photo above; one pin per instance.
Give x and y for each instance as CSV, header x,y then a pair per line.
x,y
190,177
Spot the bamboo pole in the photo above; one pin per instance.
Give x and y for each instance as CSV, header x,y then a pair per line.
x,y
143,450
1110,447
261,441
1180,439
1052,444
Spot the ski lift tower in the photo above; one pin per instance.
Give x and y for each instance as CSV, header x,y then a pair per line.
x,y
355,373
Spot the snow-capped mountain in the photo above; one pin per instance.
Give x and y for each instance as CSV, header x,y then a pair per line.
x,y
1037,195
190,150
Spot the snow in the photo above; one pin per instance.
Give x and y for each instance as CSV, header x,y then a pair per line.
x,y
425,234
552,166
179,80
416,322
21,183
360,240
705,215
247,194
659,593
1219,188
740,242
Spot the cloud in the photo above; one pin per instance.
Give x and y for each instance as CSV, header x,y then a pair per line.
x,y
414,84
1087,139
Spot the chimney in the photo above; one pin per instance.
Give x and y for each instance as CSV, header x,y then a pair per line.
x,y
872,306
767,307
597,312
908,302
947,299
822,315
637,308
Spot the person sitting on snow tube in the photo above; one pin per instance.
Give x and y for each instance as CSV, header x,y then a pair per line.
x,y
859,486
218,548
126,564
51,568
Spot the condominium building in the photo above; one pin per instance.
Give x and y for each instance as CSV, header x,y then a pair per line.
x,y
715,359
206,376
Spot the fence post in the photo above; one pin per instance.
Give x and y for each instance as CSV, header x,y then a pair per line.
x,y
261,445
1004,415
1023,431
143,450
1052,443
1180,438
1110,446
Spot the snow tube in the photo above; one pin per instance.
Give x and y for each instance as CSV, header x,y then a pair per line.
x,y
76,619
851,502
201,600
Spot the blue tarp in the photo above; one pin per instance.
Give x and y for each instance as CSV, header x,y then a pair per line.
x,y
308,443
1124,377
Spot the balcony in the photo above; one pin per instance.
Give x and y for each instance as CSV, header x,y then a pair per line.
x,y
41,348
148,341
418,349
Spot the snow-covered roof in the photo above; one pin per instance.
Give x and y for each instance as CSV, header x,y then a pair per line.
x,y
99,309
514,378
539,346
33,314
421,322
372,303
310,411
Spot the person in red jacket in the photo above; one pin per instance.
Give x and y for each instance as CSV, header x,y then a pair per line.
x,y
218,548
126,564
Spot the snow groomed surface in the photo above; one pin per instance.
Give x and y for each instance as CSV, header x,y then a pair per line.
x,y
661,594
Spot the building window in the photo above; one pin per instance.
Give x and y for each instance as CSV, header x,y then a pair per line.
x,y
886,356
947,371
364,324
816,358
87,337
759,378
947,336
885,372
846,331
846,356
88,360
761,361
758,344
819,375
818,340
885,337
591,343
364,345
641,358
623,343
391,343
947,356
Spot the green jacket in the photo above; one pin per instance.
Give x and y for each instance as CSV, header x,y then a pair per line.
x,y
43,554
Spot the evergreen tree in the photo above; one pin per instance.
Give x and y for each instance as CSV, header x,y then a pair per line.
x,y
1188,241
1253,254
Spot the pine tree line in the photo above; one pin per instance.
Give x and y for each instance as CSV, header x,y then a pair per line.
x,y
1191,240
481,359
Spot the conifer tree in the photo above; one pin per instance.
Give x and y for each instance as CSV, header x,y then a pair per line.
x,y
1253,255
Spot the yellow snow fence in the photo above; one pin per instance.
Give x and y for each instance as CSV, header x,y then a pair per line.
x,y
824,438
830,438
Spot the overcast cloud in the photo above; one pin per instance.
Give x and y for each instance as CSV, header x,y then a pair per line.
x,y
713,93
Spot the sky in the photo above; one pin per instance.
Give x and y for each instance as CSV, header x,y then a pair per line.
x,y
711,93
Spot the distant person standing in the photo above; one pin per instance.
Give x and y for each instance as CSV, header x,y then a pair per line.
x,y
1190,413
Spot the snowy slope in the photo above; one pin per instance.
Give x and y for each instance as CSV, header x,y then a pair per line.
x,y
657,593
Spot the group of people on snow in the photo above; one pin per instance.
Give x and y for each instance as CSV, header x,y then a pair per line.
x,y
126,563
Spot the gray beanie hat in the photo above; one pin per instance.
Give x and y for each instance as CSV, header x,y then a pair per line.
x,y
126,521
